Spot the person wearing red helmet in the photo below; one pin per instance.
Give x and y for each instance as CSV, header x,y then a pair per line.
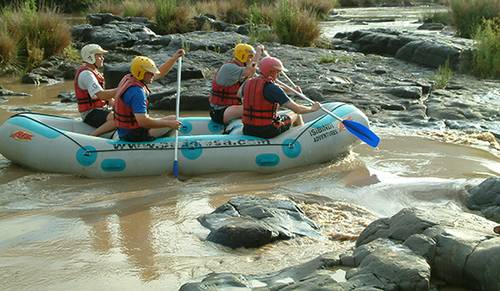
x,y
225,104
261,99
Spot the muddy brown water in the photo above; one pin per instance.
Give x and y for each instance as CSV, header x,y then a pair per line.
x,y
62,232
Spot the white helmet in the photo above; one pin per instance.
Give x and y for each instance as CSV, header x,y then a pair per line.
x,y
88,52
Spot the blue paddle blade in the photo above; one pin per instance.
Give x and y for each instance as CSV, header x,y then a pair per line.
x,y
176,169
362,132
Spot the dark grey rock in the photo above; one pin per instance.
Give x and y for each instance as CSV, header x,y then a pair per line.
x,y
253,222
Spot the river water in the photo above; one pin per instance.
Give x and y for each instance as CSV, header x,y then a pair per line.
x,y
62,232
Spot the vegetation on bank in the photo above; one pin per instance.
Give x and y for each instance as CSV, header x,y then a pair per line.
x,y
29,35
486,57
468,15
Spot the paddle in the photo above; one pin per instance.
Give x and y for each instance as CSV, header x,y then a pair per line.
x,y
357,129
177,109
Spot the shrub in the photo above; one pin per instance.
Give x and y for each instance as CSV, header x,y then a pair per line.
x,y
321,8
108,6
442,76
8,49
172,18
467,15
294,25
139,8
486,56
437,17
36,34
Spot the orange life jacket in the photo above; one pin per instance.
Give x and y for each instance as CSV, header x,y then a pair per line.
x,y
225,95
123,114
257,111
85,102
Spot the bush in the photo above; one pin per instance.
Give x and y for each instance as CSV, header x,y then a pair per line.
x,y
8,49
437,17
321,8
443,76
467,15
294,25
486,56
36,34
172,18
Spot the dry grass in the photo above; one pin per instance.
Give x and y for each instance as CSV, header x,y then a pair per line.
x,y
33,35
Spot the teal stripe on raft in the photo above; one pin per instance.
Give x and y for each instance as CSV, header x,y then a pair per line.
x,y
188,139
267,160
113,165
34,127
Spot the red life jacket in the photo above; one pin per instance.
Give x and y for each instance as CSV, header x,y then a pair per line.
x,y
225,95
123,114
85,102
257,111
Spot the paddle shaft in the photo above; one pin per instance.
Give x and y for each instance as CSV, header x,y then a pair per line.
x,y
177,113
306,98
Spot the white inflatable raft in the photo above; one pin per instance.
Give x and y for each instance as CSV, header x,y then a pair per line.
x,y
58,144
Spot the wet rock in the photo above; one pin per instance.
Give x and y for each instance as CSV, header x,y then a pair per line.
x,y
394,265
67,97
396,253
5,92
406,92
423,50
196,98
253,222
431,26
449,240
486,198
98,19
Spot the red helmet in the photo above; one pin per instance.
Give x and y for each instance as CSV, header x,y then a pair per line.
x,y
268,64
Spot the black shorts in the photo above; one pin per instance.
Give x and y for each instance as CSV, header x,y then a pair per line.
x,y
138,134
97,117
217,115
280,125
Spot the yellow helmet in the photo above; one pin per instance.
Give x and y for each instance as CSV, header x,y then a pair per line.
x,y
242,52
140,65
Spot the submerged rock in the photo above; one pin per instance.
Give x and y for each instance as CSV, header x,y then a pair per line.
x,y
253,222
486,198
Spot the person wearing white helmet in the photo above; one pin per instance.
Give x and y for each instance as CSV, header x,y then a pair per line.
x,y
131,106
91,96
261,99
225,104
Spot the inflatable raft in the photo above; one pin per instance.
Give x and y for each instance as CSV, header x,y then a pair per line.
x,y
62,145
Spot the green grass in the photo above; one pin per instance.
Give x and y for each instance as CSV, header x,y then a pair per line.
x,y
331,58
468,15
442,76
486,56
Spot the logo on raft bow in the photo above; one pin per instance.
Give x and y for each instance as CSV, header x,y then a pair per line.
x,y
21,135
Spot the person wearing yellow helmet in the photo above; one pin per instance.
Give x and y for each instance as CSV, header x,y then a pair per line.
x,y
225,104
92,99
131,106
